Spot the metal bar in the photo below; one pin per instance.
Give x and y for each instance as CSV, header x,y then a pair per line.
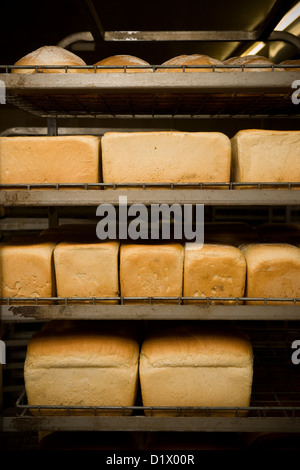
x,y
96,19
144,423
52,126
277,12
287,37
94,197
229,82
153,311
180,36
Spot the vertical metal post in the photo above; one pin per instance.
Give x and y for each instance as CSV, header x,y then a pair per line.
x,y
52,126
52,211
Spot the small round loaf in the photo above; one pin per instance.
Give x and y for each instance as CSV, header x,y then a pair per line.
x,y
291,62
50,55
120,61
249,60
193,59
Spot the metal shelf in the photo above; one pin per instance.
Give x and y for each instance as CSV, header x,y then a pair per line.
x,y
154,94
93,194
153,308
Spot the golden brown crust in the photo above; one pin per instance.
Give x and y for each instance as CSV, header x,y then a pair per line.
x,y
122,61
291,62
249,60
50,55
65,340
192,346
193,59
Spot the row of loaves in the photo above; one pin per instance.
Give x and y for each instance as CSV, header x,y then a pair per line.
x,y
53,55
105,363
251,156
71,262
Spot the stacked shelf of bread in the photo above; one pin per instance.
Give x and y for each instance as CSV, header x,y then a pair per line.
x,y
199,370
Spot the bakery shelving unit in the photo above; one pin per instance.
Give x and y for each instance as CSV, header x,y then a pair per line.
x,y
275,404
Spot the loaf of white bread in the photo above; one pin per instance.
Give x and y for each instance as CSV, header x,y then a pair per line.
x,y
266,156
149,270
165,157
213,270
176,64
191,365
82,364
87,269
117,64
247,64
49,159
50,56
273,271
27,268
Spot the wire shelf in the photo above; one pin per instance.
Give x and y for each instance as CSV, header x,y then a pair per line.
x,y
150,300
218,193
264,405
123,95
165,185
149,308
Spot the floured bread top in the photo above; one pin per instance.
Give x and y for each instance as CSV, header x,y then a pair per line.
x,y
191,346
80,344
49,55
192,59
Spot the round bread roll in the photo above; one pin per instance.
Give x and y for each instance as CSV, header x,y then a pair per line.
x,y
193,59
122,61
249,60
291,62
50,55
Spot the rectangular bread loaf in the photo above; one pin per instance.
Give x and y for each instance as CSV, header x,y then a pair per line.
x,y
27,268
165,157
151,270
213,270
273,271
49,159
265,156
195,366
85,269
77,363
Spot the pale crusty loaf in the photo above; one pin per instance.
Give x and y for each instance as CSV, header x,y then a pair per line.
x,y
87,269
195,366
27,268
273,271
213,270
250,60
266,156
292,62
50,55
77,363
165,157
122,61
192,59
151,270
49,159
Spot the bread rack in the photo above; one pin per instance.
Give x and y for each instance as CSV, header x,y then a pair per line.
x,y
144,308
182,96
274,407
154,95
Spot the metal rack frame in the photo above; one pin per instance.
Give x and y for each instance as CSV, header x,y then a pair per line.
x,y
161,95
264,32
149,308
156,95
33,195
